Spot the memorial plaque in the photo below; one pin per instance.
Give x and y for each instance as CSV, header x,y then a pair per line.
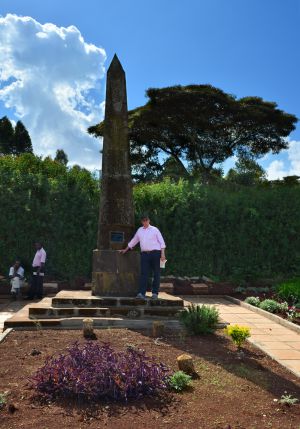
x,y
116,237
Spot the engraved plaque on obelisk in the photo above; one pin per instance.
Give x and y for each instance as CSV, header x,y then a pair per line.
x,y
115,274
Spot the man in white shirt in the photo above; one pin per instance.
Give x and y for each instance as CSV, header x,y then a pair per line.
x,y
152,252
16,275
38,272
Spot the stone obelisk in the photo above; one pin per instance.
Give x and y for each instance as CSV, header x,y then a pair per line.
x,y
115,274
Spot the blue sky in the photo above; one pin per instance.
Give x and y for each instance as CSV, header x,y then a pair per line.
x,y
245,47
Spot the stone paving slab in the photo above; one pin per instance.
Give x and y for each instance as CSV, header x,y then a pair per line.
x,y
276,340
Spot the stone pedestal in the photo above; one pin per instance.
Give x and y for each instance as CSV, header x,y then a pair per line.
x,y
115,274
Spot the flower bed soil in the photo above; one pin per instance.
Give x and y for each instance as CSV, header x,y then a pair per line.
x,y
230,393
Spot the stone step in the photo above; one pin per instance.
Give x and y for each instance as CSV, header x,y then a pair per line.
x,y
43,312
200,288
167,287
77,323
109,302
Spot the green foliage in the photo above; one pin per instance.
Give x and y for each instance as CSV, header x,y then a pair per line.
x,y
14,141
221,231
253,300
234,233
43,200
179,381
246,172
283,307
21,140
270,305
289,290
61,157
6,136
288,399
238,334
3,399
217,127
200,319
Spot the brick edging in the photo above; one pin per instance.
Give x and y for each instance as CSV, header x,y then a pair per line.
x,y
265,313
5,333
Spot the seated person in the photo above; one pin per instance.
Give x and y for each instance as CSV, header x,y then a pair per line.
x,y
16,274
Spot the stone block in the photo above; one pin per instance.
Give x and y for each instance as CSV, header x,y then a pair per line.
x,y
200,289
161,311
158,329
37,311
165,303
167,287
91,312
186,364
119,311
64,312
115,274
132,301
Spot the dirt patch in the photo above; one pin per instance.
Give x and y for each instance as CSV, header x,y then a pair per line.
x,y
230,391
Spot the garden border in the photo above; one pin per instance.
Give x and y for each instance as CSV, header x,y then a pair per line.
x,y
4,334
265,313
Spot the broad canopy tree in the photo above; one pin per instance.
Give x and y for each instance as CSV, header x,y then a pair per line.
x,y
199,127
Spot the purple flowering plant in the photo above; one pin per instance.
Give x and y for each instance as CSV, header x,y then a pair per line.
x,y
96,371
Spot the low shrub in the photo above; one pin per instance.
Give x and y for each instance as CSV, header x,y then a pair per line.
x,y
283,307
288,399
3,399
179,381
292,314
253,300
238,334
200,319
270,305
252,289
289,291
93,371
240,289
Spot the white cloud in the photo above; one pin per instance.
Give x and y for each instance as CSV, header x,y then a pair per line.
x,y
48,75
279,169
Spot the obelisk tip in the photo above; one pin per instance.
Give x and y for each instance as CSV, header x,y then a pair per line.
x,y
115,64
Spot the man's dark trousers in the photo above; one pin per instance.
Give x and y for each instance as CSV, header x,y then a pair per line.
x,y
36,287
150,261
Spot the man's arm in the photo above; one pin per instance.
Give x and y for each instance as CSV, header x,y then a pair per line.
x,y
43,260
131,243
162,245
41,268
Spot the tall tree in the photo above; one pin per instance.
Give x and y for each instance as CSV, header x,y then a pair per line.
x,y
200,126
246,172
6,136
61,157
21,139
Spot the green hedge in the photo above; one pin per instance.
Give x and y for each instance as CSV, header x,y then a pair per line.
x,y
42,200
246,232
237,233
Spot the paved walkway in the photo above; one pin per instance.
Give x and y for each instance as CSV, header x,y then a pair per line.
x,y
281,343
8,308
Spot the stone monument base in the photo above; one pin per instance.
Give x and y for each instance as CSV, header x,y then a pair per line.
x,y
115,274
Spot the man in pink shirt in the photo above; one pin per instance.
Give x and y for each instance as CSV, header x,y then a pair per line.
x,y
152,252
38,270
